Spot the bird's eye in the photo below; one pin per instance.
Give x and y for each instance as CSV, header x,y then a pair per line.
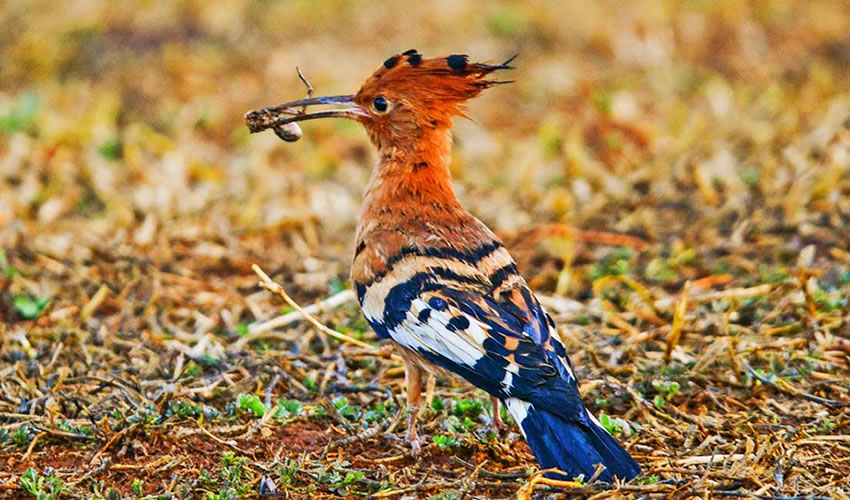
x,y
380,104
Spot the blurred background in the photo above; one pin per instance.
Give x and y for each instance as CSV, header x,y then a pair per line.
x,y
644,145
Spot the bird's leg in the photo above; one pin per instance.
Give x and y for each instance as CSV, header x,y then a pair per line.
x,y
413,381
496,424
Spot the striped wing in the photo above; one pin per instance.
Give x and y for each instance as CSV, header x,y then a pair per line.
x,y
489,329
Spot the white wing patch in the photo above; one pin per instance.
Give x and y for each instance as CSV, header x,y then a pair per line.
x,y
518,410
460,346
508,382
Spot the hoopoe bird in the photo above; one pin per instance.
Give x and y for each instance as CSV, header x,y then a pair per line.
x,y
437,282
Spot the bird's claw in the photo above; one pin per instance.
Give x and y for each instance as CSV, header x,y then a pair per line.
x,y
496,428
413,442
496,425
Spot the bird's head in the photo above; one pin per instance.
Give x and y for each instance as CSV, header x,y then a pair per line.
x,y
405,98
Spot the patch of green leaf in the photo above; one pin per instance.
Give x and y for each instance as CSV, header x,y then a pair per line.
x,y
346,408
445,441
184,409
192,369
287,473
660,270
145,416
252,403
233,479
7,270
828,302
22,115
137,487
468,407
616,263
29,307
336,285
110,149
42,487
603,100
666,390
339,483
446,495
652,479
826,426
614,425
437,404
22,435
65,425
377,413
287,408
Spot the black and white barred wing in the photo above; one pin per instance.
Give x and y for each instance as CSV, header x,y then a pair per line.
x,y
505,348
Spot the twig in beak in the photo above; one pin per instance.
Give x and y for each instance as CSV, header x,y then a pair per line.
x,y
307,84
291,132
282,118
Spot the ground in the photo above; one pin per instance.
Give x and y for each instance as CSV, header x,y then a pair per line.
x,y
672,177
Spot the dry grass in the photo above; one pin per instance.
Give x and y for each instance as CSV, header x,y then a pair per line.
x,y
673,178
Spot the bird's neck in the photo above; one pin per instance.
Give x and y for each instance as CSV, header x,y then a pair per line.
x,y
413,178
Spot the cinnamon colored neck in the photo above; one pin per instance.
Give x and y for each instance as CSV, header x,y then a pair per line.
x,y
413,179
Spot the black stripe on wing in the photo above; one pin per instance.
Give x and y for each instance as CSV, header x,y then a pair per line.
x,y
538,364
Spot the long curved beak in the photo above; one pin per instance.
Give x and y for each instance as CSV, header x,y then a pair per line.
x,y
295,111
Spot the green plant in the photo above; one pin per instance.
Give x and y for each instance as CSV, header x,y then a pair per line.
x,y
251,402
137,487
233,480
616,263
666,390
29,307
444,441
378,413
437,404
287,408
615,426
652,479
288,472
826,426
346,408
310,384
47,487
184,409
470,407
22,115
22,435
110,149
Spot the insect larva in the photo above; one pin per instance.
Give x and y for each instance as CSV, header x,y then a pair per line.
x,y
289,132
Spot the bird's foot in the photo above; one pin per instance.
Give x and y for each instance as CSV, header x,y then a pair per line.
x,y
495,427
412,440
412,437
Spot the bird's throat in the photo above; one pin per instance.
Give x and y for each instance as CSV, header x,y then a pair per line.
x,y
416,177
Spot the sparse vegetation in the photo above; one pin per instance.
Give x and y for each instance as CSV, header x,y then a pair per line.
x,y
672,178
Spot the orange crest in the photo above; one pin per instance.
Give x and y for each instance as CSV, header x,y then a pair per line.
x,y
409,92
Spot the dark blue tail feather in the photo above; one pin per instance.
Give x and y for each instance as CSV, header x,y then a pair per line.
x,y
575,447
